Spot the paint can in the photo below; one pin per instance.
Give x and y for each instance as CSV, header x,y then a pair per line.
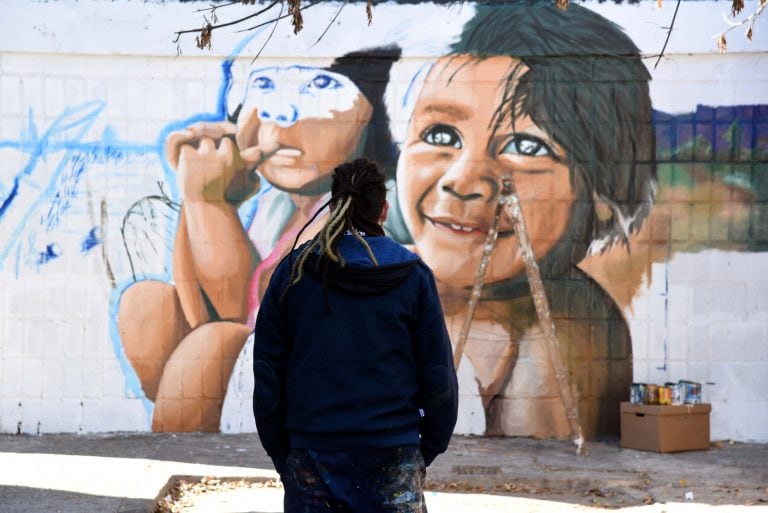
x,y
651,394
665,395
691,392
637,393
677,392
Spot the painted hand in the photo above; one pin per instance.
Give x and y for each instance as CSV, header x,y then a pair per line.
x,y
209,164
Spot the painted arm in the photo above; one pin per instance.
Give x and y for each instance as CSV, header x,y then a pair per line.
x,y
213,256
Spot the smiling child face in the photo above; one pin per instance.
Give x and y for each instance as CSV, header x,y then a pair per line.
x,y
450,169
315,117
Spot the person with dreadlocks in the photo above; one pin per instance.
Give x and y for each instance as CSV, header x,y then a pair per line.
x,y
355,392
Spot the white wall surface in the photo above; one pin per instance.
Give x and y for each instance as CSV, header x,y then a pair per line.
x,y
83,73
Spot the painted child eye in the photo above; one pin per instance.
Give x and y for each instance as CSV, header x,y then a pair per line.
x,y
442,135
527,145
263,83
325,82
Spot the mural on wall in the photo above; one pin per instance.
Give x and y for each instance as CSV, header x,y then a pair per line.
x,y
36,198
286,133
608,187
574,129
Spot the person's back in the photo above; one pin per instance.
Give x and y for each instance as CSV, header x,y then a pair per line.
x,y
352,362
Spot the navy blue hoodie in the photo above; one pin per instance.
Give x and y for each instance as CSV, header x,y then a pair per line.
x,y
354,357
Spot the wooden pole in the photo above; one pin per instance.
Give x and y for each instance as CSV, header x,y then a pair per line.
x,y
477,288
510,199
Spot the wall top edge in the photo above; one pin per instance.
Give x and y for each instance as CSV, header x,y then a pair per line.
x,y
125,27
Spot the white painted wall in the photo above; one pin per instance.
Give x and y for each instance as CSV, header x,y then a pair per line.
x,y
61,365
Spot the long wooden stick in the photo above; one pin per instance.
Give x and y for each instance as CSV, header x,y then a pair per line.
x,y
477,288
543,312
509,198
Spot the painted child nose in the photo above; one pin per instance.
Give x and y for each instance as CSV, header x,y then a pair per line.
x,y
470,179
462,196
282,117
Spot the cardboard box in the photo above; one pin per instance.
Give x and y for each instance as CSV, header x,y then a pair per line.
x,y
668,428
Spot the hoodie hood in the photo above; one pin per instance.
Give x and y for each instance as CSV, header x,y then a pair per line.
x,y
359,276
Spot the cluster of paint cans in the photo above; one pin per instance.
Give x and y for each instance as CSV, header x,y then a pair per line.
x,y
682,392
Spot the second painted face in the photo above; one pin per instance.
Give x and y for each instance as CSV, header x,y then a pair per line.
x,y
450,169
314,117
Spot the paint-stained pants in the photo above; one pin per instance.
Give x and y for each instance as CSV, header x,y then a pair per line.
x,y
380,481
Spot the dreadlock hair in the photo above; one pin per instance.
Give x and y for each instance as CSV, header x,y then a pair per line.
x,y
358,193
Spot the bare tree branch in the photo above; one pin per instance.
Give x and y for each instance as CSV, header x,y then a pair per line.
x,y
330,23
669,33
212,8
279,17
269,38
295,9
736,8
211,27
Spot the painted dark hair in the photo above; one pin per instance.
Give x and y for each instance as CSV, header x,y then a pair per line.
x,y
369,70
584,83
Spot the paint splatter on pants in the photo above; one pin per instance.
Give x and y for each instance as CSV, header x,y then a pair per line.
x,y
380,481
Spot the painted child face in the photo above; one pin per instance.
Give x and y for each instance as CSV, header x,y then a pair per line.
x,y
450,168
315,116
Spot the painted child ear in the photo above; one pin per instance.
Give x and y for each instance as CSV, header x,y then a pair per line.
x,y
603,209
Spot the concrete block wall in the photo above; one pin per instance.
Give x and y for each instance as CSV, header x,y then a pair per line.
x,y
83,119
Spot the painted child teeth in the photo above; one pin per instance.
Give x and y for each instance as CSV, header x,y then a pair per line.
x,y
289,152
462,228
458,227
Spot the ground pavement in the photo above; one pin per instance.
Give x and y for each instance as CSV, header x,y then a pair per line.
x,y
216,473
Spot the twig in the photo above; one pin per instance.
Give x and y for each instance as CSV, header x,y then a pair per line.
x,y
269,38
669,33
227,24
329,24
214,7
749,19
279,17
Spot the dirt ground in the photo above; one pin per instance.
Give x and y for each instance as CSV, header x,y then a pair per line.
x,y
213,495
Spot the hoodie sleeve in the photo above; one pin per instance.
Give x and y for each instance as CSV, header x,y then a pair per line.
x,y
437,378
271,349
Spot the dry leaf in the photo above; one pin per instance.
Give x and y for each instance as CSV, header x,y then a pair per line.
x,y
736,7
722,44
294,9
369,11
561,4
749,34
203,40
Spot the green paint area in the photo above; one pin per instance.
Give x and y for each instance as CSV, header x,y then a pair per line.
x,y
713,178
